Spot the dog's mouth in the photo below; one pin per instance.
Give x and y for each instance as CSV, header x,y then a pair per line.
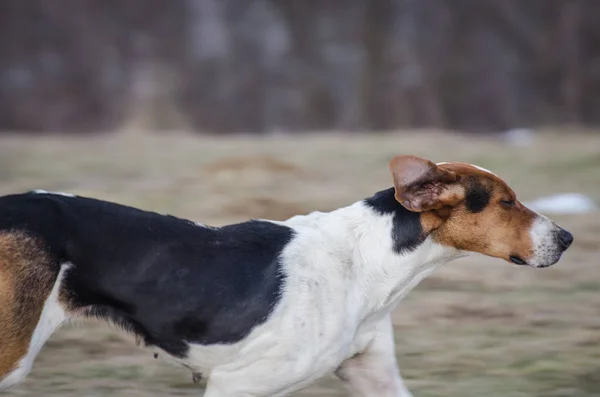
x,y
547,262
517,260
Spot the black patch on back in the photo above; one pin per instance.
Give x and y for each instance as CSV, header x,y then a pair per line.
x,y
478,196
161,277
407,231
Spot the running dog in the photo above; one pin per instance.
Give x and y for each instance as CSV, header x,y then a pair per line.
x,y
261,308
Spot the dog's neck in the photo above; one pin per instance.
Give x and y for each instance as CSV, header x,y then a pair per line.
x,y
387,250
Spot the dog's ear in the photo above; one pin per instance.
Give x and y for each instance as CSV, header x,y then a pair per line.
x,y
422,186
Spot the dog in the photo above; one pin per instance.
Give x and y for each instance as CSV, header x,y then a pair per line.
x,y
261,308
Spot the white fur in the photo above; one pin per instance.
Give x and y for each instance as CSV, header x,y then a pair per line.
x,y
472,165
39,191
342,281
52,316
545,246
483,169
374,372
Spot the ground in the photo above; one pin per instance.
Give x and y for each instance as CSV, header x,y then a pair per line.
x,y
475,327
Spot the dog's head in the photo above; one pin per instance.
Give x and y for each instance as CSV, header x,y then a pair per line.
x,y
472,209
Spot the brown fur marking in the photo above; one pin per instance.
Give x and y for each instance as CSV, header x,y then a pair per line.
x,y
498,231
26,280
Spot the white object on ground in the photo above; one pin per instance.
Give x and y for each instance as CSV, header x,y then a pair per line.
x,y
519,137
567,203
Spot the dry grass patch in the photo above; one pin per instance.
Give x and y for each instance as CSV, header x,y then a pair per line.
x,y
475,327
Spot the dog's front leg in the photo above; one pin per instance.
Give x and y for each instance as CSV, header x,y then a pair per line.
x,y
374,372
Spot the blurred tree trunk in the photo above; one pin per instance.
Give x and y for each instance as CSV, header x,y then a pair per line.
x,y
228,66
571,87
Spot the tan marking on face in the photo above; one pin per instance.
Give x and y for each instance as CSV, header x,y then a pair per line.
x,y
432,220
497,230
25,282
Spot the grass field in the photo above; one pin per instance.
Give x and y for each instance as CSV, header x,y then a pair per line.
x,y
476,327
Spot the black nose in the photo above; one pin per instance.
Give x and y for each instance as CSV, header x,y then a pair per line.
x,y
565,238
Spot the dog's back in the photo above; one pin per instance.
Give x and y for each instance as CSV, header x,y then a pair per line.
x,y
168,280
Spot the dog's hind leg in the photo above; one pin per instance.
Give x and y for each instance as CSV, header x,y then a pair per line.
x,y
30,309
374,372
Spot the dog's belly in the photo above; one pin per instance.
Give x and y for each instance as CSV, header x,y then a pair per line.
x,y
204,358
309,353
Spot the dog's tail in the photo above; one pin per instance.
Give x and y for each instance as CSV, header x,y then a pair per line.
x,y
30,302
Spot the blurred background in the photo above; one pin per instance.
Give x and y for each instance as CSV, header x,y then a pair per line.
x,y
225,110
298,65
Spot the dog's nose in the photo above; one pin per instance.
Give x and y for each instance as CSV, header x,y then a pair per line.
x,y
565,238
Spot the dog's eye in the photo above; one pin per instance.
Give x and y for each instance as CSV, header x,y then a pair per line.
x,y
508,203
